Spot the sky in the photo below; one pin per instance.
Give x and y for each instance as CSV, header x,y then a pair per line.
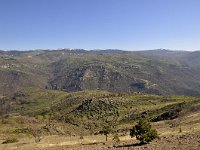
x,y
100,24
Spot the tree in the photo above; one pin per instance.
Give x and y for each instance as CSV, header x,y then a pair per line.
x,y
143,132
106,130
109,123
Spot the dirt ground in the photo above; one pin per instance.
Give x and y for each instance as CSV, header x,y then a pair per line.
x,y
188,142
170,142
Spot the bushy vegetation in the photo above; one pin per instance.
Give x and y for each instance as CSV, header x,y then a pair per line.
x,y
143,132
10,140
94,109
116,138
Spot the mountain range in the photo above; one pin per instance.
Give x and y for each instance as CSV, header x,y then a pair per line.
x,y
162,72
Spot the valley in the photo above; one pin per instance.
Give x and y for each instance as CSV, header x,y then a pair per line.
x,y
159,72
64,99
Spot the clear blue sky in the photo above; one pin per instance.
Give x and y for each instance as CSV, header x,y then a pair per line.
x,y
100,24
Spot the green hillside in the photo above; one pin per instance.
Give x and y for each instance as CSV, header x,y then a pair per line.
x,y
93,109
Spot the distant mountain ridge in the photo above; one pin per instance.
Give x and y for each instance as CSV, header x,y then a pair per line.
x,y
158,71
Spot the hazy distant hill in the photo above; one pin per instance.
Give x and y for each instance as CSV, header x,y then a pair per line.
x,y
157,71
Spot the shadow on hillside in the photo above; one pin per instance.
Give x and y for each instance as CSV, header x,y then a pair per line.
x,y
128,145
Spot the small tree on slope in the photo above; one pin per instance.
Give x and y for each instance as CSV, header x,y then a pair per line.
x,y
143,132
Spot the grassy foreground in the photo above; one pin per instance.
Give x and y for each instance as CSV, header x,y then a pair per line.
x,y
50,113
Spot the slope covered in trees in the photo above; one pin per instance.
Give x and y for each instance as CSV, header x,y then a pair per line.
x,y
157,72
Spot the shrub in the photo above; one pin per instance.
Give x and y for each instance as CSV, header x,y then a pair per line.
x,y
39,117
116,138
36,134
10,140
22,130
143,132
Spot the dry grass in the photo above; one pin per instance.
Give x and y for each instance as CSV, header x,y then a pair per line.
x,y
189,124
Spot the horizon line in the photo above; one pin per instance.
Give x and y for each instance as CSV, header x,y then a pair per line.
x,y
97,49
